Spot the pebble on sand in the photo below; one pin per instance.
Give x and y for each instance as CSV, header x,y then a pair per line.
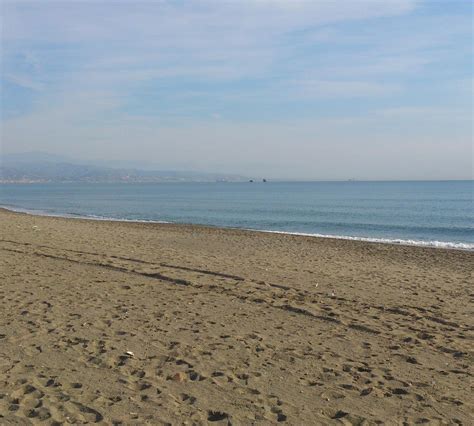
x,y
179,377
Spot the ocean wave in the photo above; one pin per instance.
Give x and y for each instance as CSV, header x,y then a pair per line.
x,y
396,241
36,212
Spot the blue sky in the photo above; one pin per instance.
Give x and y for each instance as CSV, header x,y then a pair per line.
x,y
337,89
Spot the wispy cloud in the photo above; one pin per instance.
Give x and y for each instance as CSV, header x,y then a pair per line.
x,y
149,71
24,81
344,88
426,113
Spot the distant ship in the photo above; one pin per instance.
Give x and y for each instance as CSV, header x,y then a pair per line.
x,y
264,180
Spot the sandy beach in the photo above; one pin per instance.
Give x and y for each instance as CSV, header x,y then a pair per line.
x,y
134,323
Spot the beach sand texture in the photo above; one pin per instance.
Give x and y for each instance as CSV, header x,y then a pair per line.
x,y
133,323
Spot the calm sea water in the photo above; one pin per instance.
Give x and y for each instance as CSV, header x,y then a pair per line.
x,y
422,213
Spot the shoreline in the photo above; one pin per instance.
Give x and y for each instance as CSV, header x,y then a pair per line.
x,y
447,245
162,323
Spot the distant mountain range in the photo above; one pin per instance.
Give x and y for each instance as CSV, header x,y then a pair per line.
x,y
33,167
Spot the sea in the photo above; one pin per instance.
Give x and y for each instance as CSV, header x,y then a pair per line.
x,y
424,213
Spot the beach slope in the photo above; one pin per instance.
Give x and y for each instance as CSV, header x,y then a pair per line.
x,y
137,323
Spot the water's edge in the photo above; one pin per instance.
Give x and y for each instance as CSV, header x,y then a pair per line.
x,y
394,241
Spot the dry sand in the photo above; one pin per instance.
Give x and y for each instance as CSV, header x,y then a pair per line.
x,y
130,323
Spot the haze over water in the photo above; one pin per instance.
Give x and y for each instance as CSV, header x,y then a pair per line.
x,y
422,213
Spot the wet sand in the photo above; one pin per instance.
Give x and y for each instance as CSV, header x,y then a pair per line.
x,y
133,323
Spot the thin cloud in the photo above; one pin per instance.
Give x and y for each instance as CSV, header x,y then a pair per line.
x,y
215,82
344,89
24,81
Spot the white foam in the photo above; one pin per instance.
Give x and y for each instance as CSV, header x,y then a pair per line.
x,y
398,241
77,216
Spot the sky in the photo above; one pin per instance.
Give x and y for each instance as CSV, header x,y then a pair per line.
x,y
287,89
